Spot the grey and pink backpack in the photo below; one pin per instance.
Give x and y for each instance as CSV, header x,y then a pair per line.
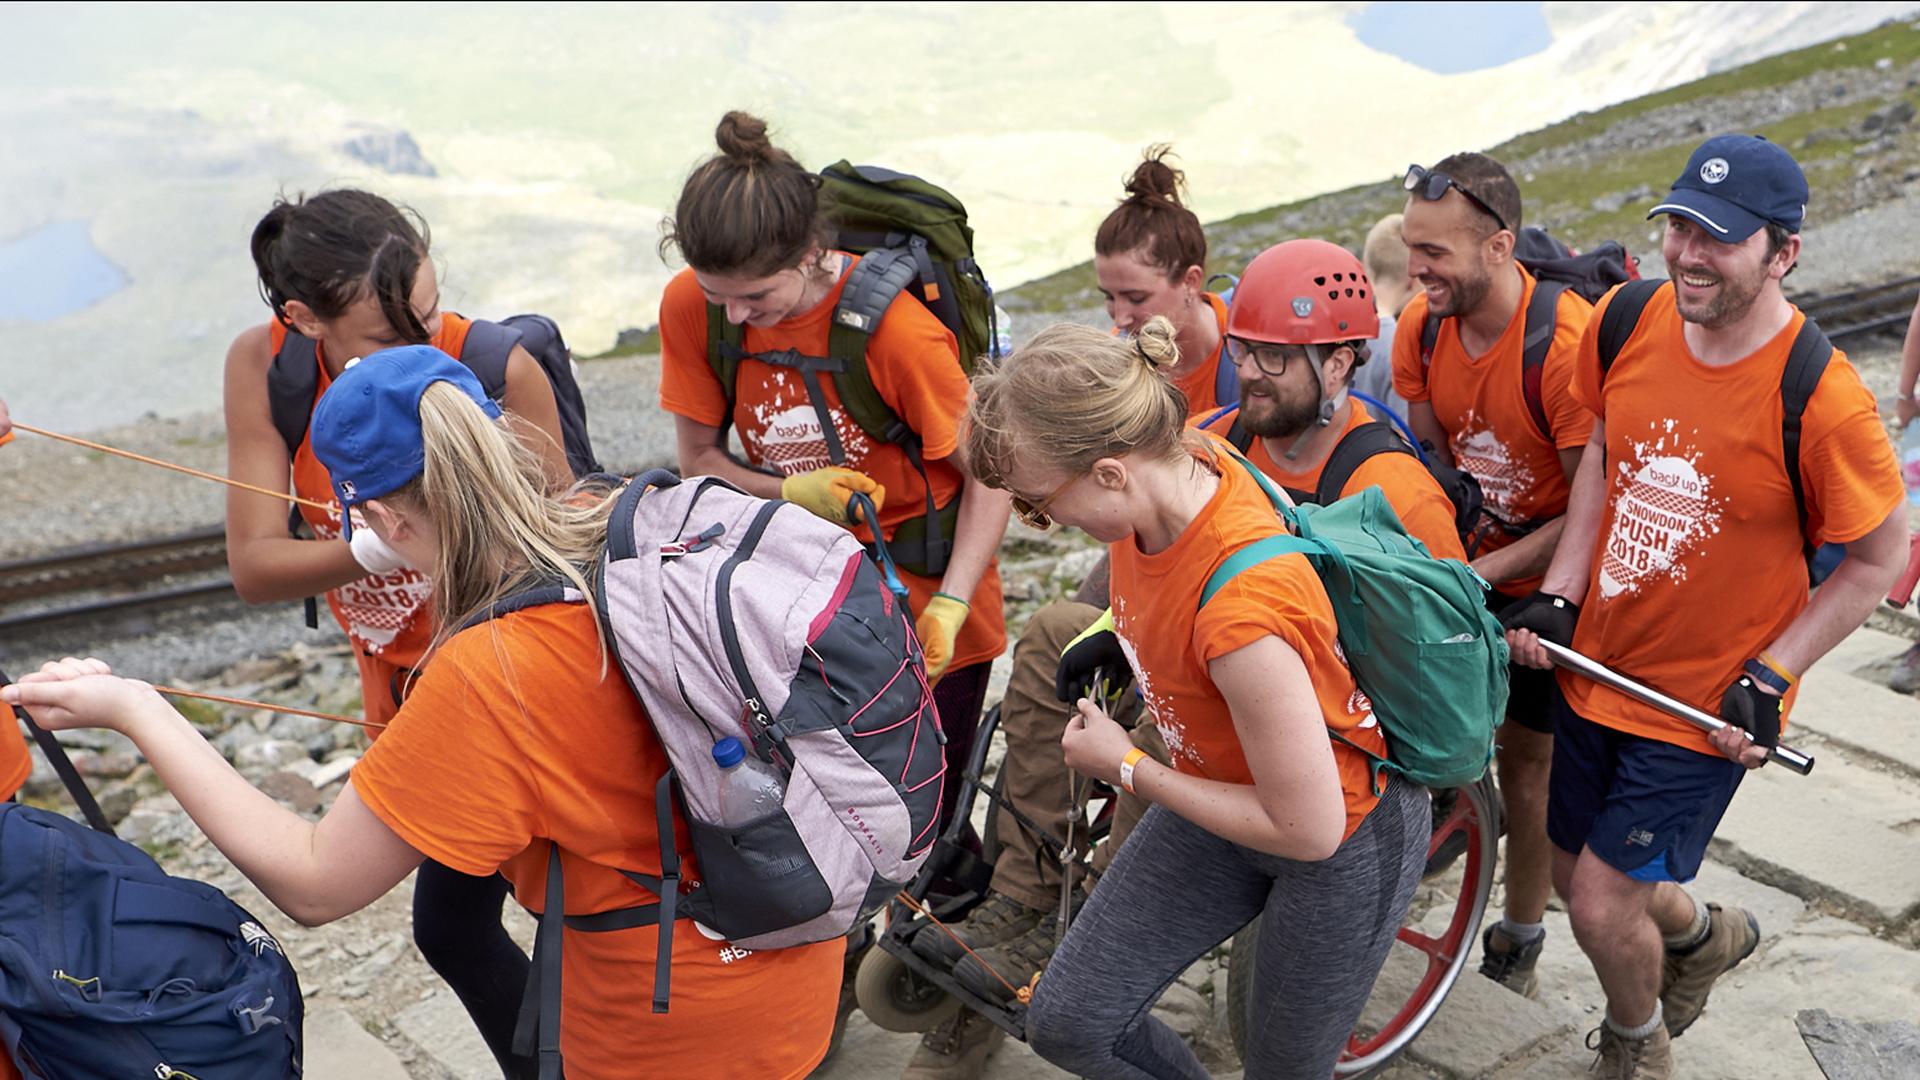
x,y
735,616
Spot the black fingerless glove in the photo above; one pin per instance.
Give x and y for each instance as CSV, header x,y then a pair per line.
x,y
1745,705
1552,617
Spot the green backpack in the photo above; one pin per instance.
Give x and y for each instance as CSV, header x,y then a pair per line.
x,y
909,235
1415,629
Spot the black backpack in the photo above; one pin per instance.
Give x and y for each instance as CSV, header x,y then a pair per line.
x,y
910,235
295,375
1807,361
1362,443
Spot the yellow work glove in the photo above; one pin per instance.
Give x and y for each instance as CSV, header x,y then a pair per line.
x,y
938,626
826,491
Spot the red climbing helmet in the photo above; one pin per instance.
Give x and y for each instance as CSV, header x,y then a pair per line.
x,y
1304,292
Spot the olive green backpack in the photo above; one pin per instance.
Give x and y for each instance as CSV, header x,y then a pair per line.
x,y
1415,629
910,235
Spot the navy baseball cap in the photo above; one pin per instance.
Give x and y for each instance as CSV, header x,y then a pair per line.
x,y
1734,184
366,429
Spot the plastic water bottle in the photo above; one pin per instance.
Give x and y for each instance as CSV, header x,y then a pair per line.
x,y
1910,465
750,788
1002,333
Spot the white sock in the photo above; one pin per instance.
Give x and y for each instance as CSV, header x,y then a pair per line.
x,y
1690,938
1635,1034
1520,933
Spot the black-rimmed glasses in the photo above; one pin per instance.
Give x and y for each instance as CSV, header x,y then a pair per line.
x,y
1432,186
1269,358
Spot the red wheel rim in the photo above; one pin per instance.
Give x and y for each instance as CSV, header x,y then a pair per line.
x,y
1442,951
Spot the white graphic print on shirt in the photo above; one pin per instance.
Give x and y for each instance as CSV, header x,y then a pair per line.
x,y
1503,478
1172,731
1665,505
1358,702
377,607
786,433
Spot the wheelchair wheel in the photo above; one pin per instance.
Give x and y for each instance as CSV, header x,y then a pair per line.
x,y
896,999
1428,956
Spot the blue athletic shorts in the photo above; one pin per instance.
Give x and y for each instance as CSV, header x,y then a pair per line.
x,y
1646,807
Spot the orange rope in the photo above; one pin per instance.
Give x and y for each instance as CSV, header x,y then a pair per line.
x,y
288,709
143,459
1022,994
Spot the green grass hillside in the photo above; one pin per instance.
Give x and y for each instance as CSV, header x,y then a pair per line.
x,y
1845,108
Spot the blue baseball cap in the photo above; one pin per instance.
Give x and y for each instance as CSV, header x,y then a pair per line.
x,y
1734,184
366,429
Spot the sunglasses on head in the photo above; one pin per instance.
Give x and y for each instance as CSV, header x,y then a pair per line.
x,y
1432,186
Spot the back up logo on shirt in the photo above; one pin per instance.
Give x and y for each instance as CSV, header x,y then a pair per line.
x,y
790,439
1665,507
1504,479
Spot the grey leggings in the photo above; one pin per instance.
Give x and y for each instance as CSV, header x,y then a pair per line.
x,y
1176,890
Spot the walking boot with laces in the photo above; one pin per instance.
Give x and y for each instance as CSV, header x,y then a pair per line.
x,y
1511,963
996,919
1621,1058
1013,962
956,1050
1686,978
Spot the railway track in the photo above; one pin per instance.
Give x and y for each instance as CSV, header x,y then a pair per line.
x,y
1882,308
105,582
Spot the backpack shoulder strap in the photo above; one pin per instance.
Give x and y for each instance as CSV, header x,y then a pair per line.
x,y
872,285
549,593
1429,337
485,352
1226,379
1353,451
1622,318
292,381
726,347
1806,362
1249,557
1543,319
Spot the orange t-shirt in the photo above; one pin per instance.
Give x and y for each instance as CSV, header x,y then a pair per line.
x,y
1170,639
15,763
1697,567
914,363
1198,384
1410,489
385,615
490,759
1481,405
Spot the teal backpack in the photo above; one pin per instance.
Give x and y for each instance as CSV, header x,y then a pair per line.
x,y
1415,629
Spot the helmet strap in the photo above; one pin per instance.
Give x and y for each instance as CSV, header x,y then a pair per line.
x,y
1329,406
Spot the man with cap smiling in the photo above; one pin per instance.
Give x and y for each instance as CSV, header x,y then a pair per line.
x,y
1732,439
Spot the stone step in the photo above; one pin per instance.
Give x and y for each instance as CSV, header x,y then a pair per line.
x,y
1849,833
1845,698
338,1048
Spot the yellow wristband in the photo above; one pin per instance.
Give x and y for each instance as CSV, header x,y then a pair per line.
x,y
1777,668
1133,758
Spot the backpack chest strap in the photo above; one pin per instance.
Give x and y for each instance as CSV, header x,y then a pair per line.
x,y
809,368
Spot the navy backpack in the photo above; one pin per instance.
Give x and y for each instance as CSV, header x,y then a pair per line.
x,y
110,967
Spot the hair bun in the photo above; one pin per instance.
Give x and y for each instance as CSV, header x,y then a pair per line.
x,y
743,137
1155,342
1154,182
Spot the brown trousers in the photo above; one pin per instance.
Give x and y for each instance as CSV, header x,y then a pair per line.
x,y
1035,771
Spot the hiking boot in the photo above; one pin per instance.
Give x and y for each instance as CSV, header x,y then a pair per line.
x,y
1906,673
1511,963
956,1050
996,919
1454,845
1015,962
1686,978
1621,1058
